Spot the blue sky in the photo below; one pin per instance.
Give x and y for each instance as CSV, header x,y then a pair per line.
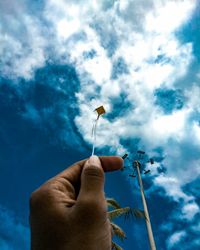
x,y
61,59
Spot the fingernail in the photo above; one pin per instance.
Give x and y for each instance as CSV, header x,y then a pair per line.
x,y
94,161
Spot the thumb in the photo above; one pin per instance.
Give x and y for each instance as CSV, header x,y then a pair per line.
x,y
92,180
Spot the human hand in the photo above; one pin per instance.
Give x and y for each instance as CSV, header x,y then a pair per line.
x,y
69,211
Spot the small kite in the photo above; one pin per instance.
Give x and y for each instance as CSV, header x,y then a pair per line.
x,y
100,111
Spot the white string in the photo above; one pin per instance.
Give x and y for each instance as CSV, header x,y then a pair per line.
x,y
94,131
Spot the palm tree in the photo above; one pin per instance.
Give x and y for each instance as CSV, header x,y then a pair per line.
x,y
117,211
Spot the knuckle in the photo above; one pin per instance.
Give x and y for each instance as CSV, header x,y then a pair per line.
x,y
94,171
38,197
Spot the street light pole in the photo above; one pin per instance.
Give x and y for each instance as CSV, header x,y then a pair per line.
x,y
147,218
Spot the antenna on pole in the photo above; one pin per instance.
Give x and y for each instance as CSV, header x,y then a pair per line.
x,y
137,167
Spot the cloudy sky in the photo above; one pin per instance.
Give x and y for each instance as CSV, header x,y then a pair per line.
x,y
59,60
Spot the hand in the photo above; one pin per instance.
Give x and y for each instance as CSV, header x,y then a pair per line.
x,y
69,211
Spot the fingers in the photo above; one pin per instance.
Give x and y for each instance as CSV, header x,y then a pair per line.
x,y
91,199
108,163
111,163
92,180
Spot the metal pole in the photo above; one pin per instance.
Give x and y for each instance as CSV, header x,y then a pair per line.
x,y
148,222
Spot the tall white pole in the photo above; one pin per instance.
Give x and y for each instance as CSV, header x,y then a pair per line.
x,y
148,222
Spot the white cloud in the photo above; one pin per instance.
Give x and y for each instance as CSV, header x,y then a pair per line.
x,y
190,210
193,94
196,130
66,29
21,42
158,20
164,127
176,238
173,188
172,185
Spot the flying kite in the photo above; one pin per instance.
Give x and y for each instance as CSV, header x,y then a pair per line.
x,y
100,111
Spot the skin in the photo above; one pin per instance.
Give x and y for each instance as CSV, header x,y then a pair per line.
x,y
69,211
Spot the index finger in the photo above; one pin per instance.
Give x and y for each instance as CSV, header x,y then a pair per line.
x,y
109,163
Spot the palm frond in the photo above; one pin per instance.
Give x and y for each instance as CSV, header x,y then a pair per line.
x,y
118,231
118,212
139,214
127,212
116,247
112,203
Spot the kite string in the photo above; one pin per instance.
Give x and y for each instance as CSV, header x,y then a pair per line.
x,y
94,131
